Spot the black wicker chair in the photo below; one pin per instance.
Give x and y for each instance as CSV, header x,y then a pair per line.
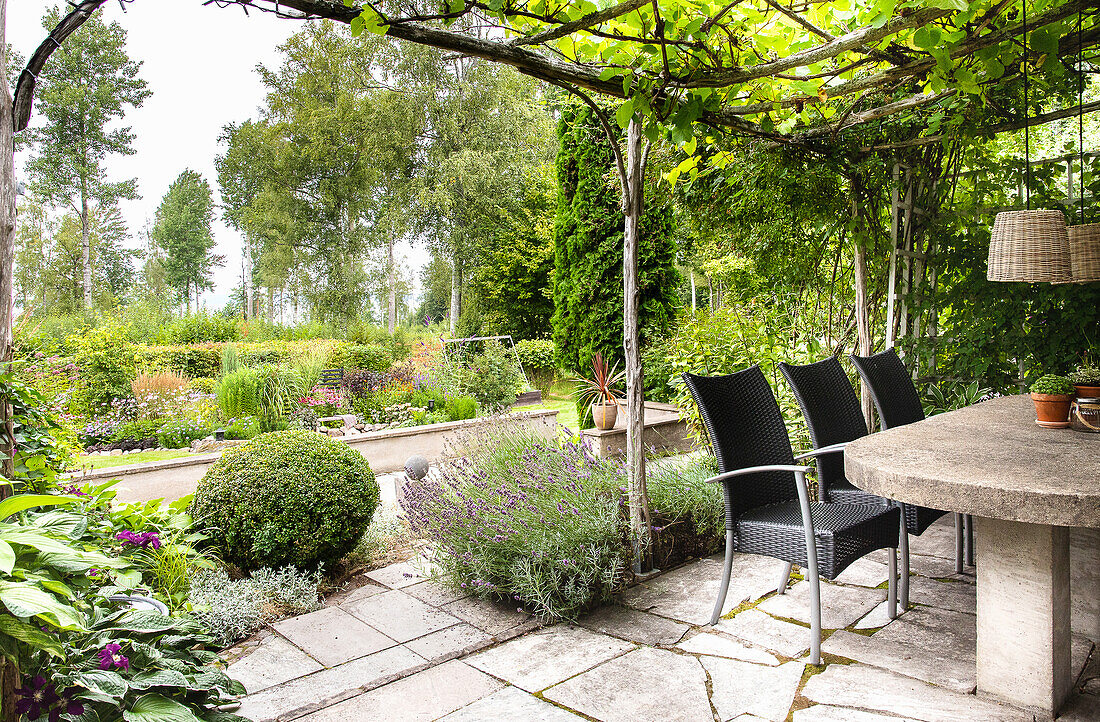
x,y
768,507
898,404
834,418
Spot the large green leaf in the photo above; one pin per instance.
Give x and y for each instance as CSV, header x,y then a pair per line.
x,y
158,678
22,502
158,708
101,681
139,620
7,558
31,635
25,599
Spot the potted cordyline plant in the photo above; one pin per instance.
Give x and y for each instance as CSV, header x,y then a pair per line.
x,y
1052,396
600,391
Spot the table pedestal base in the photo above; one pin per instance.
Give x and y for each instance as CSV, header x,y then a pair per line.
x,y
1084,567
1023,651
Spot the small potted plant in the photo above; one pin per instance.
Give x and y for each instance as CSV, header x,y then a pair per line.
x,y
1086,380
600,391
1052,396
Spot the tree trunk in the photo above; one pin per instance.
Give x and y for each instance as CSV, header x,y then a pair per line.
x,y
391,287
635,400
456,286
86,250
9,674
863,319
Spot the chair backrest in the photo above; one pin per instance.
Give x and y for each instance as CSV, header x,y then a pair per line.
x,y
831,408
746,429
892,388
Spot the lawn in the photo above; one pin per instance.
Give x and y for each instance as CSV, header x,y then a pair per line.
x,y
102,462
561,400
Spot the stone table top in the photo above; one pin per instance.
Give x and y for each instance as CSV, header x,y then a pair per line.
x,y
991,460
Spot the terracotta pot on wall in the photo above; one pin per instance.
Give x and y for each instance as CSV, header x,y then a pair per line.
x,y
1087,391
1052,410
604,415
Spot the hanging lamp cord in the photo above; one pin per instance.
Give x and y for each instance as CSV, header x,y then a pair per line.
x,y
1027,137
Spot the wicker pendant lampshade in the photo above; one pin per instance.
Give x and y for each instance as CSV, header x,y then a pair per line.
x,y
1084,252
1030,246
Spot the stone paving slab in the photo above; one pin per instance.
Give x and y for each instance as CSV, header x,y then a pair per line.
x,y
332,636
397,576
828,713
933,645
354,595
864,573
744,688
930,566
273,662
840,606
634,626
435,593
400,616
646,684
329,686
687,594
956,596
877,617
450,642
716,645
536,661
511,703
427,695
762,630
873,689
488,616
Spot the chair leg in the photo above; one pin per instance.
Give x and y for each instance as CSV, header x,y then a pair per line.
x,y
782,588
959,543
903,583
892,586
727,569
968,553
815,616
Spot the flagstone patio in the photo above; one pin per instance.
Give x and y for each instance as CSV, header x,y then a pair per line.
x,y
405,648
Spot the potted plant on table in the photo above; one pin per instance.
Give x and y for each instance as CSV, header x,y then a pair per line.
x,y
1086,379
601,392
1052,396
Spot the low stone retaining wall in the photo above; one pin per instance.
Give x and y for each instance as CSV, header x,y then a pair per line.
x,y
386,451
664,432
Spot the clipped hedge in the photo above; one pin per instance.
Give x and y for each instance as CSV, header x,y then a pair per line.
x,y
287,498
361,357
196,361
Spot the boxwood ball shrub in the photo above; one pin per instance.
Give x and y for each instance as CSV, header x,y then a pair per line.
x,y
287,498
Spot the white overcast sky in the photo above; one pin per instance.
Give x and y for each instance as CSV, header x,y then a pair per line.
x,y
200,64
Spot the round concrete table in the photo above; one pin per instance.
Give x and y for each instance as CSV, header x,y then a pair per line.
x,y
1035,494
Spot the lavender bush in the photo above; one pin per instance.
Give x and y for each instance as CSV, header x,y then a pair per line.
x,y
525,520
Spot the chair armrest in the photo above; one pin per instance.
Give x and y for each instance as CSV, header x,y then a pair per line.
x,y
757,470
831,449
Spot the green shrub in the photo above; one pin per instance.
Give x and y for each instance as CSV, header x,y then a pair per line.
x,y
491,377
265,354
1052,384
204,385
538,524
461,408
248,427
106,362
179,433
201,361
279,390
287,498
230,362
202,327
537,359
235,608
137,430
238,393
361,357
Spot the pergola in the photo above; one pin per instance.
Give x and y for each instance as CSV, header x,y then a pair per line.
x,y
798,74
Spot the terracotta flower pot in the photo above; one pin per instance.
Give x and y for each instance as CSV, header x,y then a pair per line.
x,y
604,415
1087,391
1052,410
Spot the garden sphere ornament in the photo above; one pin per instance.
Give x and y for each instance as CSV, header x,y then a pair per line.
x,y
416,467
